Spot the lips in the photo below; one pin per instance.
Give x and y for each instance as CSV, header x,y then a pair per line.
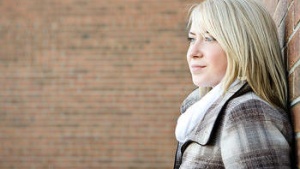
x,y
196,68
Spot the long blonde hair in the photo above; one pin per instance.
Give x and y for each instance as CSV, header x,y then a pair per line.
x,y
248,35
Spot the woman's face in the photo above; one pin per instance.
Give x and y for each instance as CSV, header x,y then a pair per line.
x,y
207,60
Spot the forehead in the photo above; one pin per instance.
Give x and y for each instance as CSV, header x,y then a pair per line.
x,y
197,24
197,29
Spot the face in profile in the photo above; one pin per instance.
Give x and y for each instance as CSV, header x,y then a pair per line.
x,y
206,59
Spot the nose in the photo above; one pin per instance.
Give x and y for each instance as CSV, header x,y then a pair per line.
x,y
195,51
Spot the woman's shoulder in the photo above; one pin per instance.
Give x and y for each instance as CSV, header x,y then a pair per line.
x,y
250,107
249,112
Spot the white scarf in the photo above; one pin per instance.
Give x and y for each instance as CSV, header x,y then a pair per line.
x,y
195,113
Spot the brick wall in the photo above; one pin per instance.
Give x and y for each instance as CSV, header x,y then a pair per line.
x,y
98,84
286,14
91,83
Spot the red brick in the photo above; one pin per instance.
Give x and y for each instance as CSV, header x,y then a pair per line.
x,y
297,12
293,50
294,82
289,25
298,153
296,117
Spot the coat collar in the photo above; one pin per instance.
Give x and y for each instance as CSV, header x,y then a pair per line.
x,y
203,131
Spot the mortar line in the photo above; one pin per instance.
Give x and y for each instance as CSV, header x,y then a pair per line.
x,y
295,101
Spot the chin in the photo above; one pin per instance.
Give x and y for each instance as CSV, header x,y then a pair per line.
x,y
199,83
202,84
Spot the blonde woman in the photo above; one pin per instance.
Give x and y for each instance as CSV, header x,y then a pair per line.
x,y
238,117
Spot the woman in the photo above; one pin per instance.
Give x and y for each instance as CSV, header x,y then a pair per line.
x,y
241,120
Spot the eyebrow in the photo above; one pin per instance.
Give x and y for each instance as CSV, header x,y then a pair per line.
x,y
192,33
207,32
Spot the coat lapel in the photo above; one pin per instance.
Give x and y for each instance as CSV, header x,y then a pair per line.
x,y
203,131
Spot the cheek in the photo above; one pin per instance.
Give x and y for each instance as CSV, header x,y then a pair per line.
x,y
220,63
223,64
224,67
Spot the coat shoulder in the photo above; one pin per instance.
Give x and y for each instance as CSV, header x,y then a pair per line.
x,y
250,107
261,134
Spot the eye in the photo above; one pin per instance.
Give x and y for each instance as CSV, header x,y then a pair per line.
x,y
190,39
209,39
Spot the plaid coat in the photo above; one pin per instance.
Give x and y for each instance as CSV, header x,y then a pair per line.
x,y
238,131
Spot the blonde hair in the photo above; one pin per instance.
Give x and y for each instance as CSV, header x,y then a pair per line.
x,y
248,35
